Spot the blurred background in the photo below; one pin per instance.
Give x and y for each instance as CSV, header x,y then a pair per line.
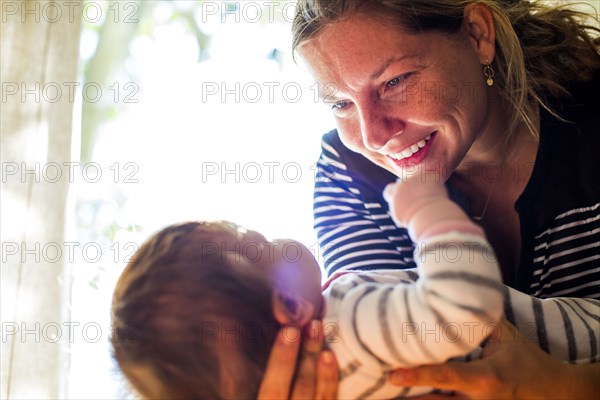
x,y
180,110
205,116
118,118
213,120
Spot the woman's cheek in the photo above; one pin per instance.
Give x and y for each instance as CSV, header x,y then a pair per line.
x,y
350,135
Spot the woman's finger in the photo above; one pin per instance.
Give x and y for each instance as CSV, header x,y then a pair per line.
x,y
481,378
436,396
503,334
327,376
455,376
306,374
279,374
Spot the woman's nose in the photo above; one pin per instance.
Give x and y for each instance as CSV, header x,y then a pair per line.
x,y
378,127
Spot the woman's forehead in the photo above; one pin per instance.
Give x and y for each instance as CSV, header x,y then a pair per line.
x,y
355,51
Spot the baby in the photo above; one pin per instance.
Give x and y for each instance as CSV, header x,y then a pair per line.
x,y
197,309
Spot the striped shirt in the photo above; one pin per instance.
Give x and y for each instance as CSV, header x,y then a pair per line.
x,y
378,321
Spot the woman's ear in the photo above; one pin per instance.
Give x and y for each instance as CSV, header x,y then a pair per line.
x,y
478,22
291,309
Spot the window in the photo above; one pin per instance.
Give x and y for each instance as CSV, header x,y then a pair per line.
x,y
192,110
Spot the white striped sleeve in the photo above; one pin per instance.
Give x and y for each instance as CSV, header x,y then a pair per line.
x,y
566,328
447,313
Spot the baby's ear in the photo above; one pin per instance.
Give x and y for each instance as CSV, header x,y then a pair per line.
x,y
288,308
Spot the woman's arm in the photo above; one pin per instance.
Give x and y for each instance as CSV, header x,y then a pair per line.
x,y
511,368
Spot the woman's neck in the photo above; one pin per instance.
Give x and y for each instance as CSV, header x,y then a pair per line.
x,y
494,151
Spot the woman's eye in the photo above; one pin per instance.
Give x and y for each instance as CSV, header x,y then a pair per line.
x,y
339,105
397,80
393,82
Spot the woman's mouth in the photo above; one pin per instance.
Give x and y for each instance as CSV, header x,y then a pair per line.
x,y
415,153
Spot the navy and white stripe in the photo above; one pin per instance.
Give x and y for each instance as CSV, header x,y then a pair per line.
x,y
354,233
357,233
567,255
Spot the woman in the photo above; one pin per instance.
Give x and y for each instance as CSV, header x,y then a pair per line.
x,y
497,95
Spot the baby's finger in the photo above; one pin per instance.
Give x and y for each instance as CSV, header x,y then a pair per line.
x,y
277,381
306,376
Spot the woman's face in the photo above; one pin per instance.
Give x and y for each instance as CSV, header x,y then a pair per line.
x,y
402,100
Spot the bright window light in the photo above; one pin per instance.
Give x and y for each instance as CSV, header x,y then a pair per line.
x,y
205,116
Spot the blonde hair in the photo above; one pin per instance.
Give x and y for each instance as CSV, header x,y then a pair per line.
x,y
540,50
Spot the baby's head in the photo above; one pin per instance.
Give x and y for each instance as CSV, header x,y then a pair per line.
x,y
196,311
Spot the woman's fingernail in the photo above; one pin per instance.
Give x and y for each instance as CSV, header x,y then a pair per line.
x,y
290,334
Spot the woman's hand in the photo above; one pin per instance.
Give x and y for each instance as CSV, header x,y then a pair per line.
x,y
510,368
317,374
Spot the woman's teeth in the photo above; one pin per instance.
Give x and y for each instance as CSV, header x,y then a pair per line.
x,y
409,151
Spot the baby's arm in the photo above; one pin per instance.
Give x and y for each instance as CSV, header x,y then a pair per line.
x,y
457,298
566,328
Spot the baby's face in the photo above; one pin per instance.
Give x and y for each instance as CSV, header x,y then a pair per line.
x,y
287,264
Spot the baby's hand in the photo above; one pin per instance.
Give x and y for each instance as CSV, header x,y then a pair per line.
x,y
410,193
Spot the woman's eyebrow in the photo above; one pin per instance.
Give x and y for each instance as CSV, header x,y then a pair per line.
x,y
328,92
332,97
388,63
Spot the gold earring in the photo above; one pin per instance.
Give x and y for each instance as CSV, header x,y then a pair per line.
x,y
488,71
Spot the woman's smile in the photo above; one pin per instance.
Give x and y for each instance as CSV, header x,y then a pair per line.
x,y
414,154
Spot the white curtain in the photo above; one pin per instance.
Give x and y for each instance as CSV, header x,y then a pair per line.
x,y
39,56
